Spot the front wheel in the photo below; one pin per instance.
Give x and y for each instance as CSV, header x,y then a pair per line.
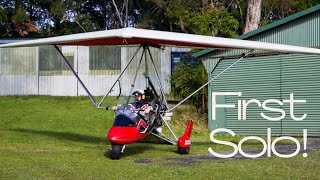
x,y
183,150
115,151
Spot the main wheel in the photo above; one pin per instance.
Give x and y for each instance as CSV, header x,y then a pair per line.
x,y
183,150
115,151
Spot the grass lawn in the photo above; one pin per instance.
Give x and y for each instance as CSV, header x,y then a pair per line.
x,y
66,138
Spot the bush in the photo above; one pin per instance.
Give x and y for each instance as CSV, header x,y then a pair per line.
x,y
188,75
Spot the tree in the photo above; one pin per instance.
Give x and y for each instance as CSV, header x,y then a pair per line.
x,y
189,16
273,10
214,22
253,16
188,75
153,14
207,17
15,19
4,24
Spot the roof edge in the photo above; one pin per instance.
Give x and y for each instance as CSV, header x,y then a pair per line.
x,y
265,28
279,22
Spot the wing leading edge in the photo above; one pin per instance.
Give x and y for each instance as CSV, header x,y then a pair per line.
x,y
133,36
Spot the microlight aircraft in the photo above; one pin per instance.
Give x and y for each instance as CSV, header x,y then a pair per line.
x,y
129,125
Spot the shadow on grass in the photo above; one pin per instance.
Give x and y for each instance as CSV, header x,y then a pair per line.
x,y
133,149
153,140
130,150
65,136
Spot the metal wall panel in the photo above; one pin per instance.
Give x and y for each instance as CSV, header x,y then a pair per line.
x,y
265,77
166,67
99,84
210,64
255,78
41,71
300,76
162,66
273,77
57,85
55,79
18,72
98,80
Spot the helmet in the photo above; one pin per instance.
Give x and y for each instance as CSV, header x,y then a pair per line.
x,y
138,92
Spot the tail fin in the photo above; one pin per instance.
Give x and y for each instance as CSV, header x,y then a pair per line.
x,y
188,129
184,141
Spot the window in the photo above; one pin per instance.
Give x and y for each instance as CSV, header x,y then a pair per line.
x,y
51,62
104,59
18,61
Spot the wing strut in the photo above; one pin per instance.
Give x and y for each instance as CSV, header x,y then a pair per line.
x,y
242,56
135,77
111,89
76,75
158,78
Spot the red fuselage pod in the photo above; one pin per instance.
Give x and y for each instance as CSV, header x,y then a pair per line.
x,y
127,134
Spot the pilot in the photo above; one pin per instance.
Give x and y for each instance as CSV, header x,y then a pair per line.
x,y
138,103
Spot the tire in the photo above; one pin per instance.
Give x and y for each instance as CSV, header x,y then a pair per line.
x,y
183,150
115,151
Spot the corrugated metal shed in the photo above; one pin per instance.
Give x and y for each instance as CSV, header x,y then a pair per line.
x,y
270,76
41,71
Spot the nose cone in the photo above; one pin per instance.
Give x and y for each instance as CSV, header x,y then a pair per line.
x,y
124,135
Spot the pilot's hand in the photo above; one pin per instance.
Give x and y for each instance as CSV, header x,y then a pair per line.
x,y
148,110
114,108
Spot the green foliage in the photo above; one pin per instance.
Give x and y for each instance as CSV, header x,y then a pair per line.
x,y
223,18
20,16
203,19
67,27
3,15
58,9
191,16
4,25
187,77
273,10
213,22
300,5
